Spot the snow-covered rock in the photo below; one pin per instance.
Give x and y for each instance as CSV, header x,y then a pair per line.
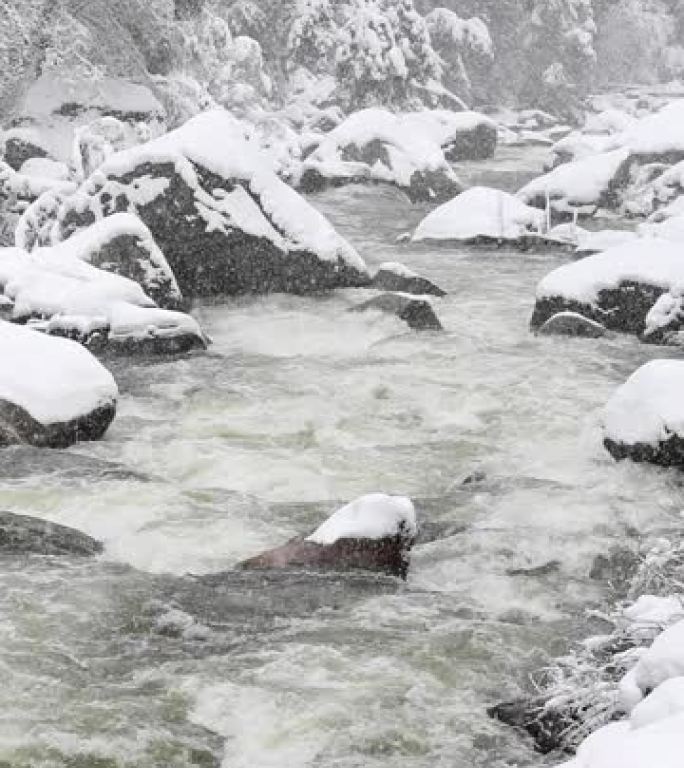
x,y
644,420
55,110
53,392
580,187
480,214
121,244
56,291
461,135
659,136
372,533
222,218
376,146
635,288
415,311
392,276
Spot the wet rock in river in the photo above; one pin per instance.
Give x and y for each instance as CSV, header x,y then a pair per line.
x,y
572,324
417,313
392,276
372,533
20,534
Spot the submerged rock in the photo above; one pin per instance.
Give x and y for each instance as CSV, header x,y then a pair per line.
x,y
572,324
373,533
20,534
417,313
392,276
53,392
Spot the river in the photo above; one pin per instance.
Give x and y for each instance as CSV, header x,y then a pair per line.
x,y
300,406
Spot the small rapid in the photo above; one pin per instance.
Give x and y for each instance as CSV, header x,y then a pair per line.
x,y
299,406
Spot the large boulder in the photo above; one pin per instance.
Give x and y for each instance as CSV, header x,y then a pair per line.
x,y
55,291
376,146
372,533
480,215
634,288
644,419
22,535
225,222
53,392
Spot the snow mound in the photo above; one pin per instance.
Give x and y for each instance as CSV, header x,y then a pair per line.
x,y
659,134
53,380
375,516
480,212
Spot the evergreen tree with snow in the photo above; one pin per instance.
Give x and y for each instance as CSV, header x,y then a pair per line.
x,y
386,54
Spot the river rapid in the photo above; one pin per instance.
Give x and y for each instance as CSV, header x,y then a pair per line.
x,y
298,407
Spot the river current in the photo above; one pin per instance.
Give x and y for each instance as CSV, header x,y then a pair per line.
x,y
299,406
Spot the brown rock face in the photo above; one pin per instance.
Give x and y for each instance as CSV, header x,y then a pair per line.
x,y
389,555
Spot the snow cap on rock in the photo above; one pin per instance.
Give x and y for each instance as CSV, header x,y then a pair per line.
x,y
374,516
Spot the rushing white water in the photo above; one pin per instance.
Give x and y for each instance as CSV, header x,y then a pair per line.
x,y
300,405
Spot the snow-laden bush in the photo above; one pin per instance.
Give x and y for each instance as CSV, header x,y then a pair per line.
x,y
385,53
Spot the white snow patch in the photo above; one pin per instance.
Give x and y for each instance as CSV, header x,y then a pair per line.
x,y
647,409
480,211
55,380
577,184
652,262
374,516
